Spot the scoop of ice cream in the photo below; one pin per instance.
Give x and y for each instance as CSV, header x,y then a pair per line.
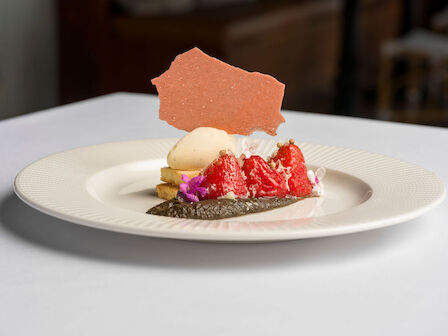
x,y
199,148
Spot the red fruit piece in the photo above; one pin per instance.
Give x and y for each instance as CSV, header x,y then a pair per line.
x,y
298,183
223,176
288,154
289,162
262,180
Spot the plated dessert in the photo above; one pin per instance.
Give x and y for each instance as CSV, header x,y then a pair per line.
x,y
216,171
208,176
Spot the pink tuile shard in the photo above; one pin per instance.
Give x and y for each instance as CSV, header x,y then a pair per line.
x,y
201,91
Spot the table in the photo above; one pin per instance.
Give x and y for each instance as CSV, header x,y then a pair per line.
x,y
59,278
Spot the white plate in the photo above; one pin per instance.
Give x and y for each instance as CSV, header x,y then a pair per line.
x,y
111,186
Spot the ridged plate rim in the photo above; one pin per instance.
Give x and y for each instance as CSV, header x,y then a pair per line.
x,y
55,185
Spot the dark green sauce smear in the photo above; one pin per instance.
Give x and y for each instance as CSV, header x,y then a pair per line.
x,y
219,208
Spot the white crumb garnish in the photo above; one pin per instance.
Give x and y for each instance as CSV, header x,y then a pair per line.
x,y
316,180
229,195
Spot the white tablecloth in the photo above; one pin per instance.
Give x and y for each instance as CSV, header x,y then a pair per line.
x,y
58,278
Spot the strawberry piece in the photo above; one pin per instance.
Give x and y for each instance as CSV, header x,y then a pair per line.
x,y
289,162
298,183
288,154
223,176
262,180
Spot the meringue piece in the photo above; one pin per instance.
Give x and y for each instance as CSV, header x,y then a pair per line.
x,y
199,148
316,180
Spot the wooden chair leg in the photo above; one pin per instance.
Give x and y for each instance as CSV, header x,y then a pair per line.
x,y
385,88
413,89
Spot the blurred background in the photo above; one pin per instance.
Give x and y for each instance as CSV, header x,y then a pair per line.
x,y
382,59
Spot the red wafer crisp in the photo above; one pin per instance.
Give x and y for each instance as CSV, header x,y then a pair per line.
x,y
201,91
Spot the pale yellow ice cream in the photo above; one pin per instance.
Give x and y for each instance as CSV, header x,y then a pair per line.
x,y
199,148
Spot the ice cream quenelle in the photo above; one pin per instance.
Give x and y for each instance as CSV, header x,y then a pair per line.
x,y
195,151
199,148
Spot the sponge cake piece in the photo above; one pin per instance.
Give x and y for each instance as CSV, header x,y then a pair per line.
x,y
174,176
167,191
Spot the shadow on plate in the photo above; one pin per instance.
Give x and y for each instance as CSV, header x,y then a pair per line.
x,y
49,232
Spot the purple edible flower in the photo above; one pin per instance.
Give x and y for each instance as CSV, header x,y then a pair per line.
x,y
190,191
